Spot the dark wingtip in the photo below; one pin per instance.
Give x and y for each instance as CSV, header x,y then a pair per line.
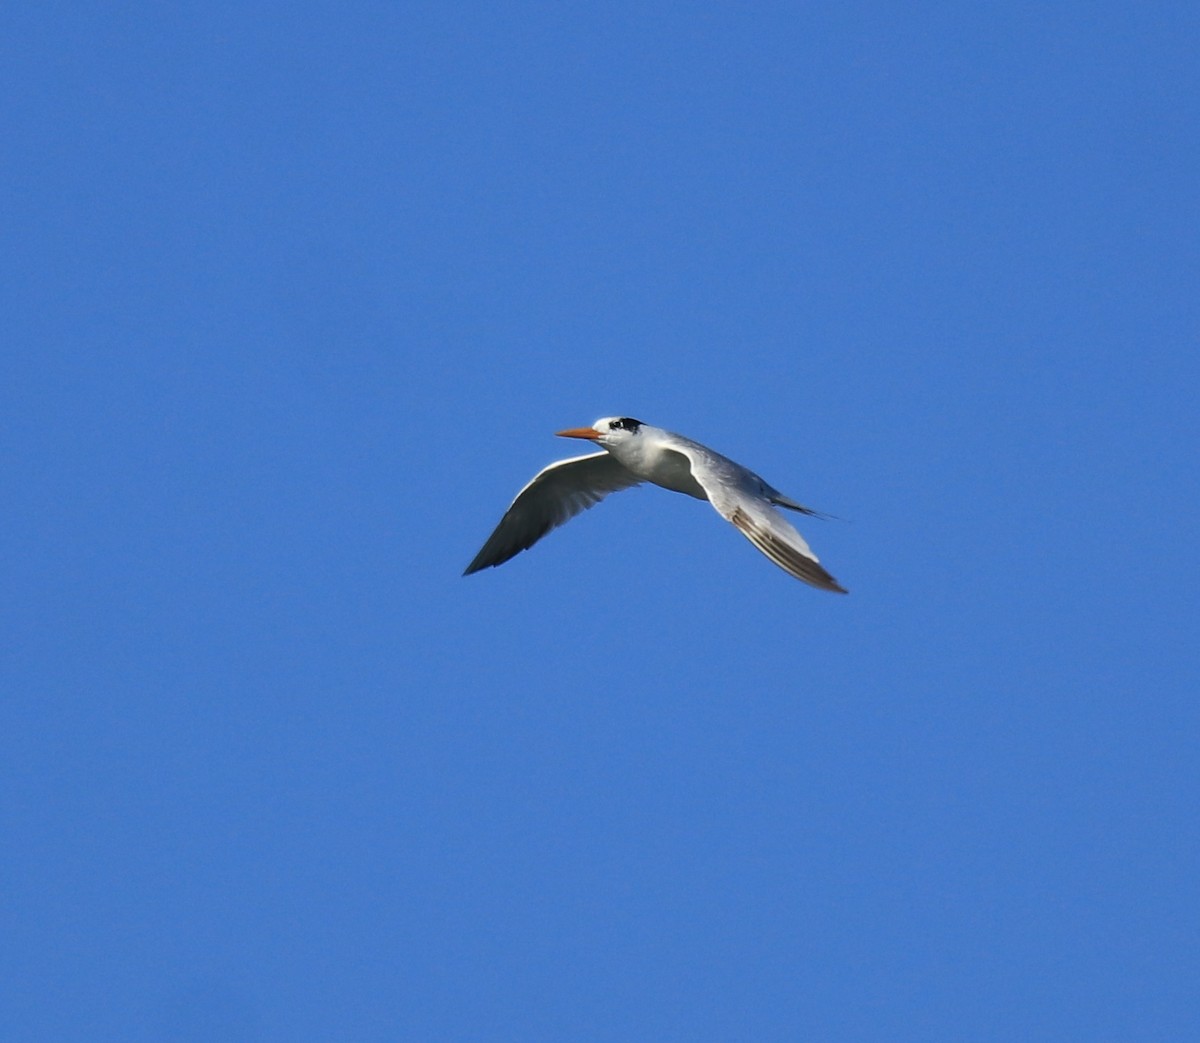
x,y
802,566
821,579
824,581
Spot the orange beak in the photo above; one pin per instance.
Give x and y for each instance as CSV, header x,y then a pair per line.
x,y
589,433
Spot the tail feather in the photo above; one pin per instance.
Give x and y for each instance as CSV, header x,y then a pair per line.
x,y
779,500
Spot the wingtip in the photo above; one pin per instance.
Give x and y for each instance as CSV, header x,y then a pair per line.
x,y
795,562
823,581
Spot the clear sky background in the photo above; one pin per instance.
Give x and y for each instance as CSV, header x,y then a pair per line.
x,y
294,296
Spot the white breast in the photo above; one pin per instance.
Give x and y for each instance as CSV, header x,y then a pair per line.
x,y
654,461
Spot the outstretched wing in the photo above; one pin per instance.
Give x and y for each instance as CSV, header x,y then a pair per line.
x,y
766,529
735,493
556,495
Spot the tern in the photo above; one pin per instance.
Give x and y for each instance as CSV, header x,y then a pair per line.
x,y
633,453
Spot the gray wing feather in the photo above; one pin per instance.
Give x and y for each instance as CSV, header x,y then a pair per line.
x,y
784,546
735,493
556,495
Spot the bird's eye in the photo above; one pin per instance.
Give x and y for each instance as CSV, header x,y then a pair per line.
x,y
626,424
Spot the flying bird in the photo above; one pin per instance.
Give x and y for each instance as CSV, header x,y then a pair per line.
x,y
632,453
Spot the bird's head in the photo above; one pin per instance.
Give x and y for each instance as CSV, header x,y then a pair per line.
x,y
608,431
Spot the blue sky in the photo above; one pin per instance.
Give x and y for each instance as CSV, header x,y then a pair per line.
x,y
294,297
